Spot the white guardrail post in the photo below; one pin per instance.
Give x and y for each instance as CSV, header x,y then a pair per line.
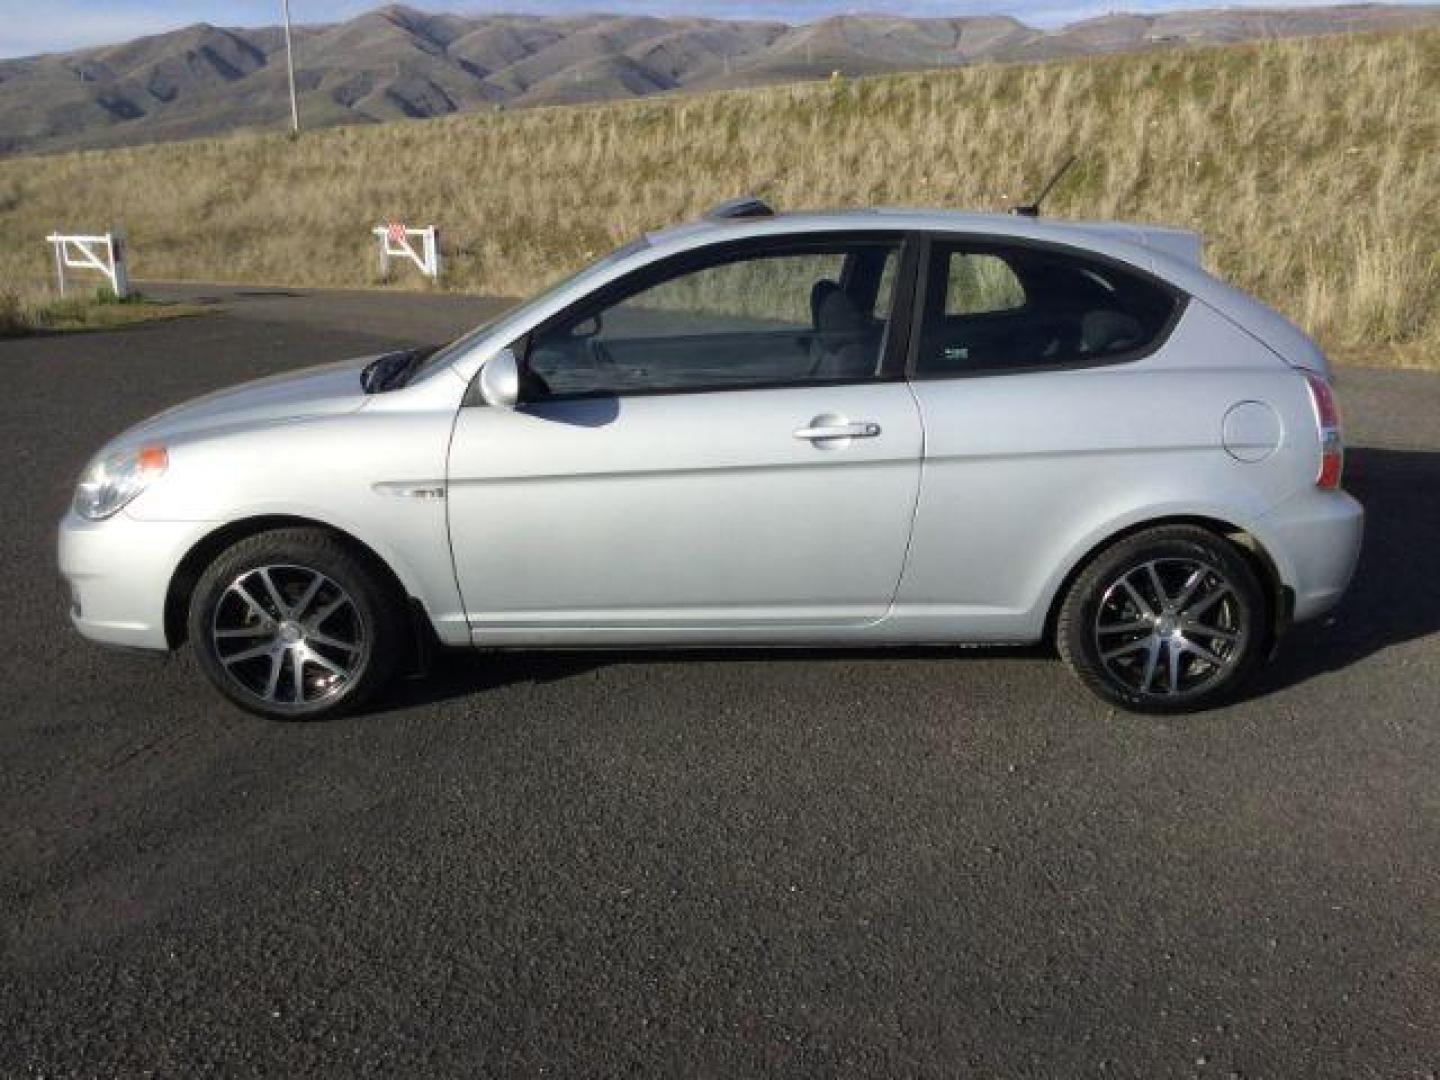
x,y
104,252
397,241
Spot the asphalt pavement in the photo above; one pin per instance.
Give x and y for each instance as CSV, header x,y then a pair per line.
x,y
898,863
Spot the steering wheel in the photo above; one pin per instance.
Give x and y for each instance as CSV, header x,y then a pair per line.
x,y
599,355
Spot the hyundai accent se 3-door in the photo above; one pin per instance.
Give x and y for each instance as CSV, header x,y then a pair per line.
x,y
839,429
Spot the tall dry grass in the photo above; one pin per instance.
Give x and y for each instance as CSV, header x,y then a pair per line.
x,y
1312,167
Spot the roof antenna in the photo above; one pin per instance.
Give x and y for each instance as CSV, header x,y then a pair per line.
x,y
1033,209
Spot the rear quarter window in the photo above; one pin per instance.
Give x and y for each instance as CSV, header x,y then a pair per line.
x,y
992,308
977,283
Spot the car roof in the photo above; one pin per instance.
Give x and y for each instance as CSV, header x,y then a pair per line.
x,y
1133,243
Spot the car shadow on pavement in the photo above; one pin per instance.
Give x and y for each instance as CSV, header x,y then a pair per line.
x,y
1395,598
458,673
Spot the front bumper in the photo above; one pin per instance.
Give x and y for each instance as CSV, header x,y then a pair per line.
x,y
1314,540
119,571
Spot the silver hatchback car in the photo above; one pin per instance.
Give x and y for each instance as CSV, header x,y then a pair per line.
x,y
839,429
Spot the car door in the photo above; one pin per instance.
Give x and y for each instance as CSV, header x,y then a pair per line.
x,y
1042,376
715,448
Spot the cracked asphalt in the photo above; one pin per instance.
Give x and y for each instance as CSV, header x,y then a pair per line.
x,y
899,863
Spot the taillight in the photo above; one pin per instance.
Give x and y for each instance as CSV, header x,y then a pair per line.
x,y
1327,421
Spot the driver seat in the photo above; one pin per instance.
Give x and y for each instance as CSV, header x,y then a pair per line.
x,y
838,348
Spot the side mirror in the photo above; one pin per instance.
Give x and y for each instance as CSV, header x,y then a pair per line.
x,y
500,380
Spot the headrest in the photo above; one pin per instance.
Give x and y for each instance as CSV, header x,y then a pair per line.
x,y
818,292
1109,331
837,314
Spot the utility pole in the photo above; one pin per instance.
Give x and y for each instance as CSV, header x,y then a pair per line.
x,y
290,64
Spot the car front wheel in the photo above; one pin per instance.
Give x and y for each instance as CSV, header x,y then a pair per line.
x,y
291,624
1171,619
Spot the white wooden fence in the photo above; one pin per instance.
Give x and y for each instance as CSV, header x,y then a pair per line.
x,y
104,252
396,243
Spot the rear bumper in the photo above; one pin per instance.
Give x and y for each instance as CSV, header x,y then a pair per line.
x,y
118,572
1314,540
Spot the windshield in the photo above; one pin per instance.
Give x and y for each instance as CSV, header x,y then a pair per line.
x,y
457,348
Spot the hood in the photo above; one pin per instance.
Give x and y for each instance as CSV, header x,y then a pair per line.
x,y
314,391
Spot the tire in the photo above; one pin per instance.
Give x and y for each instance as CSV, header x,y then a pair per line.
x,y
291,625
1170,620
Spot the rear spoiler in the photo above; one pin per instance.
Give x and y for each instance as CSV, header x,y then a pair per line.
x,y
1181,244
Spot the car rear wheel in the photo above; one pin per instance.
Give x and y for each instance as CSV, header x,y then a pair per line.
x,y
290,624
1171,619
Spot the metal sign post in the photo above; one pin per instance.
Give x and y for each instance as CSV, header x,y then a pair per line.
x,y
104,252
396,242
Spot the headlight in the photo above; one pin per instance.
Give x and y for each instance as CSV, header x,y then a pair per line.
x,y
112,481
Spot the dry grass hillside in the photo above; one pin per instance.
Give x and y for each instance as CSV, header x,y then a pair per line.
x,y
1311,166
396,62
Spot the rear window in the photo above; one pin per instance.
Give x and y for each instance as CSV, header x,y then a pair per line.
x,y
993,309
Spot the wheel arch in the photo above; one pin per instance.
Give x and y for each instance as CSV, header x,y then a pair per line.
x,y
205,550
1279,597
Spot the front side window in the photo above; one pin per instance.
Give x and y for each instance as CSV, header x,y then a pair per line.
x,y
448,354
990,309
763,317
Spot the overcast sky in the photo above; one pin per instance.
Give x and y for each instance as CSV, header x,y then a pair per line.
x,y
28,26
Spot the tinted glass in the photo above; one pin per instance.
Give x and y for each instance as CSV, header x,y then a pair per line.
x,y
1009,309
777,317
976,283
453,351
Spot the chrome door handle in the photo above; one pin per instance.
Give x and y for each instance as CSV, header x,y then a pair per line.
x,y
838,431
